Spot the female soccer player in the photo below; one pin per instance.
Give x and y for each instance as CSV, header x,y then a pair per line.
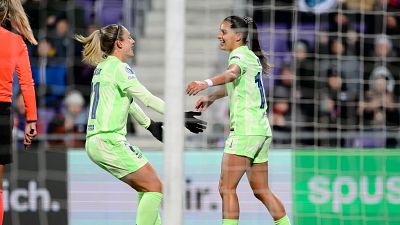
x,y
14,56
114,85
246,149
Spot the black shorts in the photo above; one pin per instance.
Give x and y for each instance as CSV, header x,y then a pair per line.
x,y
5,133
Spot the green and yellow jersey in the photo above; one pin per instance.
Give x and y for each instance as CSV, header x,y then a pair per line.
x,y
247,103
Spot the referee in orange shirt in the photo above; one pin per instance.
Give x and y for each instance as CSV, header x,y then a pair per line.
x,y
14,57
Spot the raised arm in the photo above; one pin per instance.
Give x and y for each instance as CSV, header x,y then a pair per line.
x,y
226,76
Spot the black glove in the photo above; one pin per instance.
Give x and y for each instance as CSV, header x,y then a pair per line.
x,y
156,129
193,124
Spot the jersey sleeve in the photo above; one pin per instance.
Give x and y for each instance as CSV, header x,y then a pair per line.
x,y
127,81
137,113
125,77
147,98
25,79
238,59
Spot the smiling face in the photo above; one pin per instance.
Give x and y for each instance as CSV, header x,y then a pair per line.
x,y
229,39
126,44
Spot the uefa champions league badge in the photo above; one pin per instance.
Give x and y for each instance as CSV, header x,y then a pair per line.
x,y
131,73
97,71
129,70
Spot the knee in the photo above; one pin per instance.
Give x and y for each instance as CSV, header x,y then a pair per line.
x,y
262,194
153,186
225,189
259,196
158,186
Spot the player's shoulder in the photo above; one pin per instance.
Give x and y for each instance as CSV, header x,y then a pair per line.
x,y
11,38
8,33
239,53
127,71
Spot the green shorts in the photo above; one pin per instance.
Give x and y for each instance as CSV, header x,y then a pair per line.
x,y
113,153
252,146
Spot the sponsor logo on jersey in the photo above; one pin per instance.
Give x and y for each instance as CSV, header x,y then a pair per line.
x,y
90,127
131,77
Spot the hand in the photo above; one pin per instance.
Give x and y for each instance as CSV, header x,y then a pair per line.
x,y
193,124
30,133
195,87
156,130
202,104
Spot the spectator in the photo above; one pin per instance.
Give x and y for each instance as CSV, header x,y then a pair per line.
x,y
352,43
383,56
46,49
383,47
307,86
323,43
70,120
50,77
281,108
377,110
304,70
60,39
349,67
336,108
339,22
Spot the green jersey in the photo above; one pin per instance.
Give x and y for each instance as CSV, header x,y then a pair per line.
x,y
247,103
114,84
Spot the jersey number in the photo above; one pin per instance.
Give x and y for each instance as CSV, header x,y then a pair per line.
x,y
261,88
95,89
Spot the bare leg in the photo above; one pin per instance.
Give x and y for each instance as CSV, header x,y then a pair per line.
x,y
144,180
258,179
232,169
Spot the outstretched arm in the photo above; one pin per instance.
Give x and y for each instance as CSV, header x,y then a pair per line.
x,y
204,102
146,97
126,79
227,76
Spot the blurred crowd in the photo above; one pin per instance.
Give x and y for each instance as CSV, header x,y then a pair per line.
x,y
62,81
340,87
338,75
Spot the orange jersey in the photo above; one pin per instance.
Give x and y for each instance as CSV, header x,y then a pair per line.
x,y
14,57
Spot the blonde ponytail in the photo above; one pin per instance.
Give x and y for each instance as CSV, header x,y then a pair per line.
x,y
92,53
19,20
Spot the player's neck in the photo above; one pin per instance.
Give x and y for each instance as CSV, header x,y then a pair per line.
x,y
236,45
119,55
